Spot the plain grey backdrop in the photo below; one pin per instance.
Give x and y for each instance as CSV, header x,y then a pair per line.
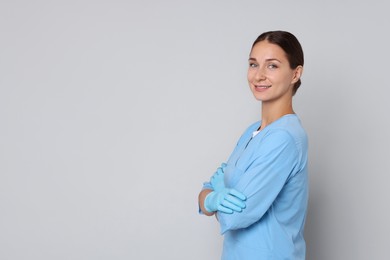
x,y
113,114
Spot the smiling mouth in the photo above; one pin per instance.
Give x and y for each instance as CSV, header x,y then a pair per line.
x,y
262,87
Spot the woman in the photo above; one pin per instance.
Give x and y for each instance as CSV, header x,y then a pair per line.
x,y
260,195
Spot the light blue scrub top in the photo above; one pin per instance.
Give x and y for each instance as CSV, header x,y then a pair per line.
x,y
271,170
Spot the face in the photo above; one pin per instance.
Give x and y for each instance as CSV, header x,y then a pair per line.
x,y
269,74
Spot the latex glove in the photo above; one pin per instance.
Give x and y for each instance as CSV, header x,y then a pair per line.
x,y
218,179
225,200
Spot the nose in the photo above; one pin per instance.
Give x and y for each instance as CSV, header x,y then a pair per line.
x,y
260,74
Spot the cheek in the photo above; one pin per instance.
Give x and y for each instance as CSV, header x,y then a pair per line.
x,y
288,79
250,75
281,78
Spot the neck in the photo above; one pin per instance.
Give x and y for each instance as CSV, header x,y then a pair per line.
x,y
271,112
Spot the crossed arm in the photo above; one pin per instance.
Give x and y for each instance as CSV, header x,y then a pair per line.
x,y
219,198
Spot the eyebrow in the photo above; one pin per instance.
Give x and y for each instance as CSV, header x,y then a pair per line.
x,y
271,59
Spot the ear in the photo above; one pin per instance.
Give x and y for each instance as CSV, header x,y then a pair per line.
x,y
297,74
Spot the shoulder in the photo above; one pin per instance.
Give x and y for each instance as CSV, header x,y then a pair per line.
x,y
277,137
290,125
289,134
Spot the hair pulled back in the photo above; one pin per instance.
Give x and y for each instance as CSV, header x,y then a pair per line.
x,y
290,45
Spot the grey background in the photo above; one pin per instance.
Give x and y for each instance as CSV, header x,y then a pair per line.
x,y
113,113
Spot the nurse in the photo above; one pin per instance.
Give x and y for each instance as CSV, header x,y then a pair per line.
x,y
260,194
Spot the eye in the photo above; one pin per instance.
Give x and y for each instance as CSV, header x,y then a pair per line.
x,y
272,66
252,65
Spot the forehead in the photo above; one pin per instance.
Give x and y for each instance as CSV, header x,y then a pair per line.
x,y
267,50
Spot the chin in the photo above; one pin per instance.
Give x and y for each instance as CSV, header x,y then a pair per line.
x,y
258,98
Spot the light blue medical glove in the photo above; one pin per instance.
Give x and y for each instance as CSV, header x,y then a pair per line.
x,y
225,200
218,179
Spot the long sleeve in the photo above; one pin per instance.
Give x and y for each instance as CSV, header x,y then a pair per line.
x,y
275,160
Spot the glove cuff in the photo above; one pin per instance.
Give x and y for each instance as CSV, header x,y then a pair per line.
x,y
206,202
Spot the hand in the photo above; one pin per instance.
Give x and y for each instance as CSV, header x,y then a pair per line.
x,y
218,179
225,200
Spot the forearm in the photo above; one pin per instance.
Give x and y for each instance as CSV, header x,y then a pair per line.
x,y
201,198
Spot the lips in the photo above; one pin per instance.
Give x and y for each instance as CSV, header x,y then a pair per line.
x,y
262,87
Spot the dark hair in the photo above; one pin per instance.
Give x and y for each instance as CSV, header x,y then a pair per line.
x,y
291,46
